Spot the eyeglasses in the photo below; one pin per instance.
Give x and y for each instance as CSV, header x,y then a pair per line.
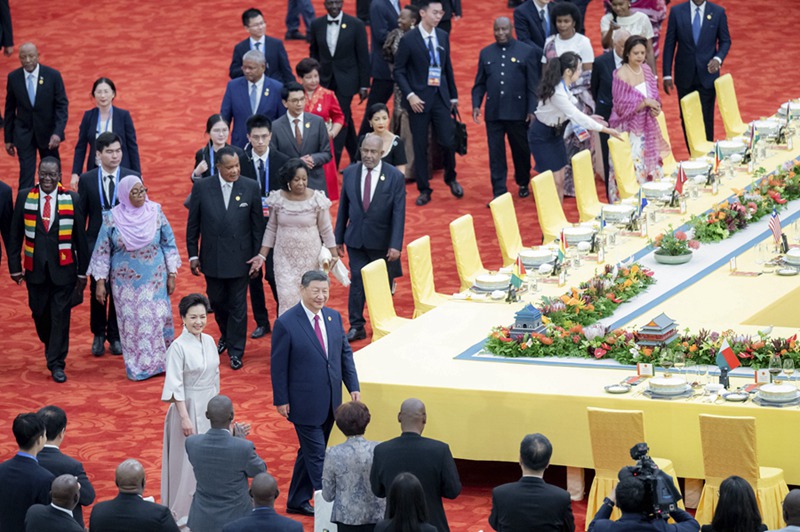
x,y
296,100
139,192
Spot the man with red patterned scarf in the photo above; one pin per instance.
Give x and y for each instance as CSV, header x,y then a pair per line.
x,y
49,251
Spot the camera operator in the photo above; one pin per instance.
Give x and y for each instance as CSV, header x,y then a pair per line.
x,y
631,497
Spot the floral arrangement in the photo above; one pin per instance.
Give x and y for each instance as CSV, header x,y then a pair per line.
x,y
772,191
674,243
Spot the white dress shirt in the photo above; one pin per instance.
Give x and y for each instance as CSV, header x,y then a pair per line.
x,y
113,175
332,35
259,90
35,75
310,315
263,158
53,203
560,107
617,59
299,124
60,509
262,44
376,172
425,36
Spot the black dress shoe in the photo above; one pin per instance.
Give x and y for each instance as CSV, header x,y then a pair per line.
x,y
424,198
260,331
115,347
524,192
59,376
303,509
294,36
221,346
356,334
456,189
98,346
236,363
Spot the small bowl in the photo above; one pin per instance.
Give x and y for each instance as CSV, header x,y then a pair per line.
x,y
714,387
618,388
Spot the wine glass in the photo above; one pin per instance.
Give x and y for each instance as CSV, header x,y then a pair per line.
x,y
788,368
666,362
775,367
691,372
679,360
702,371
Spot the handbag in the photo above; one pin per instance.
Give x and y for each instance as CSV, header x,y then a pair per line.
x,y
461,133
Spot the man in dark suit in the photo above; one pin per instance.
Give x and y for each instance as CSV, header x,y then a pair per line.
x,y
225,214
371,221
55,267
6,212
36,112
699,31
534,22
97,193
262,165
302,135
264,491
6,30
429,460
531,503
339,43
23,482
311,358
602,79
508,73
58,516
255,93
58,463
383,19
128,512
424,73
277,61
222,461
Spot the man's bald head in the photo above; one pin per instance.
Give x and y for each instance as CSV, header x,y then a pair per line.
x,y
502,30
220,412
29,56
65,491
264,490
130,477
619,38
791,508
412,416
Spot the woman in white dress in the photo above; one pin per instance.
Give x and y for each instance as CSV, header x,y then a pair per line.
x,y
636,22
192,380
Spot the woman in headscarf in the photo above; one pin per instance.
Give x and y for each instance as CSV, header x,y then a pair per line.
x,y
136,252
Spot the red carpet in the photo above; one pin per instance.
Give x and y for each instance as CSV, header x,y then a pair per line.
x,y
170,67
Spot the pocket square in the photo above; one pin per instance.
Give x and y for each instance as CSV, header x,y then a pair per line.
x,y
243,205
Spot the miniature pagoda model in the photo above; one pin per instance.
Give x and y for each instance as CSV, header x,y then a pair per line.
x,y
527,321
660,331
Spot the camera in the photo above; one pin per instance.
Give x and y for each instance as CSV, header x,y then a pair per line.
x,y
661,495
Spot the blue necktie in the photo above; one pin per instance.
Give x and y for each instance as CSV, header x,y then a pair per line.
x,y
396,6
545,23
696,25
254,98
262,178
432,52
31,90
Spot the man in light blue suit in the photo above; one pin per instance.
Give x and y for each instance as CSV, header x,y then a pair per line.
x,y
252,94
310,359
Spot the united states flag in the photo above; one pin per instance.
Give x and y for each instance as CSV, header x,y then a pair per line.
x,y
775,226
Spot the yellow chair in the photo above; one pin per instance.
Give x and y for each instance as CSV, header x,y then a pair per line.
x,y
589,205
624,172
465,248
506,227
379,300
548,207
729,448
668,162
693,124
420,269
729,106
612,434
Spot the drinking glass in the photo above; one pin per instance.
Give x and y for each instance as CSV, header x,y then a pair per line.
x,y
702,372
775,367
679,360
788,368
666,361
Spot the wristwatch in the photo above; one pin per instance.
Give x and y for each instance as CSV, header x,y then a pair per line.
x,y
608,502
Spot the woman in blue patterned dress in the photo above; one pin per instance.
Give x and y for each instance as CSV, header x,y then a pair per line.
x,y
136,252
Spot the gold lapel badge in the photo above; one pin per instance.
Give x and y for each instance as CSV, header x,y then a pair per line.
x,y
383,177
513,59
266,92
238,198
708,17
308,125
344,26
41,81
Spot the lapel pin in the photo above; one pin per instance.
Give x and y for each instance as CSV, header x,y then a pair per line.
x,y
319,107
308,125
266,92
513,59
238,198
41,81
329,318
708,17
344,26
383,177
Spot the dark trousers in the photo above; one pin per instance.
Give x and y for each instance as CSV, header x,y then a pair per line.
x,y
517,132
103,317
27,162
228,298
438,114
380,92
360,257
297,9
341,527
257,300
708,98
50,308
445,25
307,473
346,139
605,112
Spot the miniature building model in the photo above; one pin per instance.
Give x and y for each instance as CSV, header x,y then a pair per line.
x,y
660,331
527,321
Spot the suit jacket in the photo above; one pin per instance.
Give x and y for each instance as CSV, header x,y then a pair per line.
x,y
58,463
411,69
381,226
92,200
222,464
236,106
431,462
508,77
531,504
6,30
692,59
6,212
23,483
315,143
45,518
121,124
203,154
385,525
602,80
382,20
128,512
28,124
684,522
278,66
275,161
45,245
302,375
230,237
263,518
348,69
528,26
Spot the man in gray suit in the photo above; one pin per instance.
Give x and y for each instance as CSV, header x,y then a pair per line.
x,y
302,135
222,462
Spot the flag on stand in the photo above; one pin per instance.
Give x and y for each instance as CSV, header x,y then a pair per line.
x,y
518,274
717,157
775,226
726,358
642,202
681,179
562,247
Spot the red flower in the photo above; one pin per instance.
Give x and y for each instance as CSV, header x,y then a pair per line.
x,y
599,353
694,244
680,235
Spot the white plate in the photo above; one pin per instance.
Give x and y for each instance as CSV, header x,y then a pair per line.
x,y
685,389
736,397
617,388
787,272
787,399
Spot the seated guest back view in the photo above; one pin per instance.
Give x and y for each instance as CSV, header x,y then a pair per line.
x,y
531,503
406,509
263,517
129,512
791,512
737,509
429,460
58,515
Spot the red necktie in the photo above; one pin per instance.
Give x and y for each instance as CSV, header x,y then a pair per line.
x,y
318,332
298,137
46,217
367,189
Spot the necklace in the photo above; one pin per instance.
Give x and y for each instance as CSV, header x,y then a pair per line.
x,y
632,70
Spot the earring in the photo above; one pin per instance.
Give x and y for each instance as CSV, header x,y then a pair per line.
x,y
289,187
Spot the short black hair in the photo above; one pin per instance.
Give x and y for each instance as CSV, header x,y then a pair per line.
x,y
213,120
106,139
563,9
258,121
288,171
250,14
107,81
631,493
289,88
27,429
423,4
55,420
535,451
50,160
192,300
313,275
306,66
375,109
225,151
414,10
352,418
